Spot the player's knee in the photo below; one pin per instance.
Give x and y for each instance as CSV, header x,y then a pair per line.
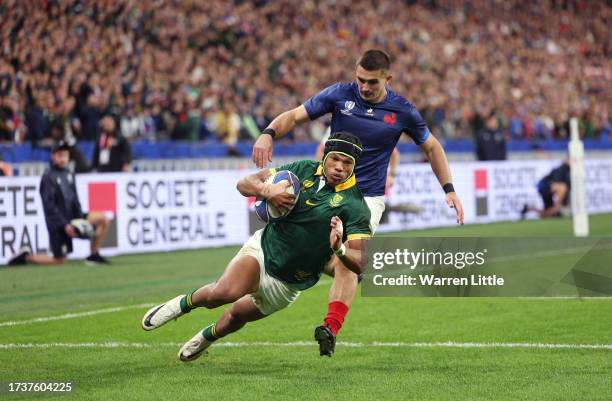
x,y
329,267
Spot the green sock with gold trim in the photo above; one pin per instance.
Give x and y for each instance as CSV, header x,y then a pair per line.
x,y
186,303
209,333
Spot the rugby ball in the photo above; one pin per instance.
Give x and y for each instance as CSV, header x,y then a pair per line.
x,y
268,213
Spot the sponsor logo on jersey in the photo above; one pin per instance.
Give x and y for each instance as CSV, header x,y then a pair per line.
x,y
310,203
370,112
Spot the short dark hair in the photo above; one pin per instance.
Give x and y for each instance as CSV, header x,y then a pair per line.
x,y
373,60
60,145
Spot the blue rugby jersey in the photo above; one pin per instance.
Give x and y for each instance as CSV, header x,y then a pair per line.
x,y
379,127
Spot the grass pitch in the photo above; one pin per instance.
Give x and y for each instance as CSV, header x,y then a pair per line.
x,y
82,324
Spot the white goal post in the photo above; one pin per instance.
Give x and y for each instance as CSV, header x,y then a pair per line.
x,y
578,197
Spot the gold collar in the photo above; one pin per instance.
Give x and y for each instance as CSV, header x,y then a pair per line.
x,y
351,182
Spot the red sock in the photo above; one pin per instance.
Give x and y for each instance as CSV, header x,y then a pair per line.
x,y
336,312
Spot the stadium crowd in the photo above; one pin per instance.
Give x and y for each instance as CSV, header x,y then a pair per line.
x,y
193,70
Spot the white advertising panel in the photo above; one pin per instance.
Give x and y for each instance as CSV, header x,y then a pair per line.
x,y
489,191
148,212
22,222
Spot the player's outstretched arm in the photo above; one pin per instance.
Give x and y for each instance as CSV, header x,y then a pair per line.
x,y
353,256
283,123
255,185
439,164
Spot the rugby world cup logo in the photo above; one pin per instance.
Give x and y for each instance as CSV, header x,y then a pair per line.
x,y
349,105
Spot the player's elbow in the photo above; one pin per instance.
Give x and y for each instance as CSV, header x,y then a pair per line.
x,y
298,115
241,187
287,121
431,146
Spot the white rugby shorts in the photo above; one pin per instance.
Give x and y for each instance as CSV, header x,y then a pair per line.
x,y
272,294
376,204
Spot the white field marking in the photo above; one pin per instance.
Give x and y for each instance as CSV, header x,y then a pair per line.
x,y
148,305
73,315
323,281
94,312
449,344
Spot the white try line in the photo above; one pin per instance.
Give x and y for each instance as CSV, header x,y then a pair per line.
x,y
73,315
449,344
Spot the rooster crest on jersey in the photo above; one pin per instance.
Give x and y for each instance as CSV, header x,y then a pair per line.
x,y
268,213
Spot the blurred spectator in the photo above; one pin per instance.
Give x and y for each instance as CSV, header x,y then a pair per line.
x,y
228,124
112,152
37,123
606,131
77,163
490,141
130,124
147,126
90,118
7,121
6,82
191,69
5,169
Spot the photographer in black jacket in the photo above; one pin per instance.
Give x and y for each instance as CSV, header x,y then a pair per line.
x,y
64,216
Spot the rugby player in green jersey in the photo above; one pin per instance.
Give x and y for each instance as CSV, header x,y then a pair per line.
x,y
330,217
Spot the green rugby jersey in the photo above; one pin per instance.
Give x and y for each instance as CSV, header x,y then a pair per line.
x,y
297,248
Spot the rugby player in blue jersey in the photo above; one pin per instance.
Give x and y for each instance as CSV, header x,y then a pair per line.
x,y
369,109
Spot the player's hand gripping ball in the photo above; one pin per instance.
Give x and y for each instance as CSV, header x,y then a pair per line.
x,y
264,209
